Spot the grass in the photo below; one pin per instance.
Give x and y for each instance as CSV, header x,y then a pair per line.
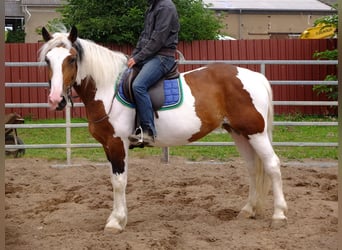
x,y
194,153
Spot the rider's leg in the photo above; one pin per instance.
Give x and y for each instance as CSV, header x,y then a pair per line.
x,y
151,71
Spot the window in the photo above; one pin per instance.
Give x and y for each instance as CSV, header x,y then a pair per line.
x,y
14,23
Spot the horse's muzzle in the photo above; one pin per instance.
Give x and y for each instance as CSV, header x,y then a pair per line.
x,y
62,104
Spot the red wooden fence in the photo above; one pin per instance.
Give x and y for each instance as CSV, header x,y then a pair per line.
x,y
197,50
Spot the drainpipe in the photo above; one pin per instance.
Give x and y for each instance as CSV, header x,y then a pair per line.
x,y
27,12
240,22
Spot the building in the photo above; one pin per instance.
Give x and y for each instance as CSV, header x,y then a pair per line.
x,y
244,19
14,17
269,19
30,15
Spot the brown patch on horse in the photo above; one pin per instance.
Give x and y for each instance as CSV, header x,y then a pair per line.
x,y
219,95
100,127
69,68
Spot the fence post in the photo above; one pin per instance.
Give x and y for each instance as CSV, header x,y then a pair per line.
x,y
68,133
339,193
263,68
166,155
2,132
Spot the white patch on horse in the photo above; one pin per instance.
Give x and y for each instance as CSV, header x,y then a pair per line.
x,y
260,97
56,57
122,119
175,126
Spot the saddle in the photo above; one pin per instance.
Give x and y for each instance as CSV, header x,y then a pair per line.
x,y
156,92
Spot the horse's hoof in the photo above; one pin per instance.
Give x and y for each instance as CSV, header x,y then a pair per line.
x,y
245,215
278,223
112,230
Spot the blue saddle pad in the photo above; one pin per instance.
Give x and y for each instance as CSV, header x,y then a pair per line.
x,y
172,91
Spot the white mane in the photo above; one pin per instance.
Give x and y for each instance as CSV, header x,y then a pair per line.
x,y
58,39
102,64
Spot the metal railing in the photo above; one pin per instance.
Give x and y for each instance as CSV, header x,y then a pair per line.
x,y
68,125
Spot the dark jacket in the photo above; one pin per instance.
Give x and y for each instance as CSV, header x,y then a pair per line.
x,y
160,34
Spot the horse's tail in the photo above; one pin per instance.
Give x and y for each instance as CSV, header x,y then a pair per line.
x,y
263,184
270,112
263,181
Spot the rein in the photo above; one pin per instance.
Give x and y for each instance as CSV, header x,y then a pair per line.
x,y
110,110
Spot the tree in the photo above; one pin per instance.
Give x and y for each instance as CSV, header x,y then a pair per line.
x,y
197,21
329,90
328,20
121,21
15,36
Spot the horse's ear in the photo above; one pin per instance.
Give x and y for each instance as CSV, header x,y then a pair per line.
x,y
46,35
73,34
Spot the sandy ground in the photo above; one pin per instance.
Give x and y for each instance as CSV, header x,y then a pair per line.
x,y
174,206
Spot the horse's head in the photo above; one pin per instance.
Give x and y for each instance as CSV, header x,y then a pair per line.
x,y
61,54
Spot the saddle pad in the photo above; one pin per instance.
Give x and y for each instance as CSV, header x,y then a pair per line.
x,y
172,91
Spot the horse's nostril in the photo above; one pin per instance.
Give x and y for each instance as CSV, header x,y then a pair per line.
x,y
61,104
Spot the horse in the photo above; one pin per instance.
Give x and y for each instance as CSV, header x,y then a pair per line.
x,y
217,95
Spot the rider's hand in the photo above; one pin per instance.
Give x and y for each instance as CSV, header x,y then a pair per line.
x,y
131,62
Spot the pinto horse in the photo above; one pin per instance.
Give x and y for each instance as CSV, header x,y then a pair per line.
x,y
217,95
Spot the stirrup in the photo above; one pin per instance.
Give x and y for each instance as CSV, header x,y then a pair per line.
x,y
140,131
137,139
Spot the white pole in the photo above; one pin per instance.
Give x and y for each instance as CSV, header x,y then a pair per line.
x,y
2,129
68,133
340,127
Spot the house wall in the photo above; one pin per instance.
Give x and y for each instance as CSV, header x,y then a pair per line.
x,y
239,26
40,16
12,8
268,25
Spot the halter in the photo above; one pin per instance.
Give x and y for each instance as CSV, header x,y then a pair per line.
x,y
69,96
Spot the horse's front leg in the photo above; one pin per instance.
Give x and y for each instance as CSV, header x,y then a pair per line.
x,y
117,156
117,220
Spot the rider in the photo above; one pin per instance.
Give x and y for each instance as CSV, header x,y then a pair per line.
x,y
154,55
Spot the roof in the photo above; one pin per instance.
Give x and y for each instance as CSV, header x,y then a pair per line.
x,y
329,2
269,5
41,2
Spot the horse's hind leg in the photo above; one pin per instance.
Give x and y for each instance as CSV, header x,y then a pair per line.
x,y
248,154
259,156
271,164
